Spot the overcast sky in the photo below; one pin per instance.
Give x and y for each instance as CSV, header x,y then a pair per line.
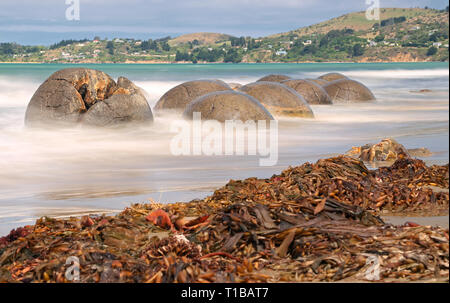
x,y
44,21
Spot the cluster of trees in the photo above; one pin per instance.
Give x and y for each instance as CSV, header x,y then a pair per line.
x,y
334,44
209,55
248,42
392,21
156,45
66,42
432,51
334,35
424,39
14,48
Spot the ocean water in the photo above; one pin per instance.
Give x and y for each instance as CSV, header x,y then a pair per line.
x,y
65,172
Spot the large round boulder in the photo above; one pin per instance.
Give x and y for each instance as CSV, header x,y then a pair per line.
x,y
332,77
228,105
279,99
310,91
346,91
69,94
181,95
274,78
126,105
318,81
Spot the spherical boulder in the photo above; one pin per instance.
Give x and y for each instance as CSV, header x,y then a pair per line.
x,y
54,102
332,77
347,91
279,99
320,82
180,96
227,105
67,95
310,91
126,105
274,78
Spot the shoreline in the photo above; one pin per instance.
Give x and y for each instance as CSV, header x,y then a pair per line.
x,y
253,230
241,63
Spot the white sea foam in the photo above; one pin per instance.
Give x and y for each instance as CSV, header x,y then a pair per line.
x,y
83,165
391,74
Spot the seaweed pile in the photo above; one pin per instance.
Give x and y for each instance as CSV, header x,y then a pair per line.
x,y
408,186
314,222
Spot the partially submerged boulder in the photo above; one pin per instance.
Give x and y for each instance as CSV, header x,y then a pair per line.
x,y
310,91
127,104
180,96
228,105
68,95
320,82
386,150
346,90
274,78
279,99
332,77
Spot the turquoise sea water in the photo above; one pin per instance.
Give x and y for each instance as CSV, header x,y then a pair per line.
x,y
74,171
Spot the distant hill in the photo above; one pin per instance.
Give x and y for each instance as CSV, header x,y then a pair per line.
x,y
202,38
401,35
358,21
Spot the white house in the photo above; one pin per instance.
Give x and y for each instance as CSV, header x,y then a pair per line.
x,y
281,53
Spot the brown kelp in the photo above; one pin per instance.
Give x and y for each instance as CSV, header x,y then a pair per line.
x,y
315,222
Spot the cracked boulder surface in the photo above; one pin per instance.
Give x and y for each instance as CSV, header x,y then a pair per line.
x,y
332,77
348,91
274,78
318,81
312,92
279,99
228,105
177,98
75,95
126,105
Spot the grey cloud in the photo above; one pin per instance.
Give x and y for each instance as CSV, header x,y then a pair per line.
x,y
24,18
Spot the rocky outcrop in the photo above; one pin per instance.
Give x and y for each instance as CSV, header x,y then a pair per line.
x,y
347,91
310,91
386,150
71,95
274,78
279,99
180,96
228,105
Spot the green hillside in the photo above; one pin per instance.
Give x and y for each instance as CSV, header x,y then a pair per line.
x,y
401,34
